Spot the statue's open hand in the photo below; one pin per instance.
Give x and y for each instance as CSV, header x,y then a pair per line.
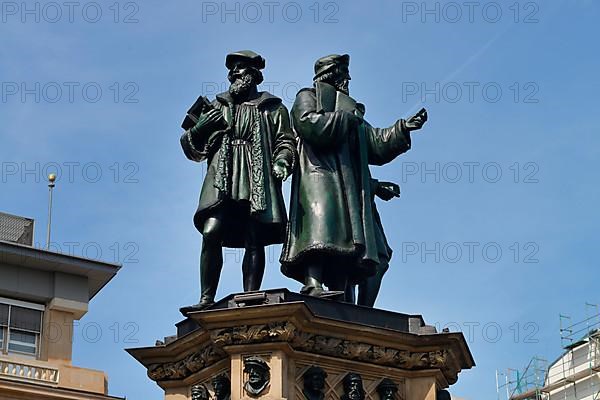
x,y
281,169
387,190
417,121
210,120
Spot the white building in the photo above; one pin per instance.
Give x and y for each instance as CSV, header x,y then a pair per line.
x,y
575,375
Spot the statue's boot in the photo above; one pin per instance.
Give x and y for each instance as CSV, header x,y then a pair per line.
x,y
313,281
313,284
253,268
313,287
339,287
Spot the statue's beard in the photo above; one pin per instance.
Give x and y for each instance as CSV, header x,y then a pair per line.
x,y
355,395
342,85
242,86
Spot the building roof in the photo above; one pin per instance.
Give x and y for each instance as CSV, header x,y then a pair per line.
x,y
98,273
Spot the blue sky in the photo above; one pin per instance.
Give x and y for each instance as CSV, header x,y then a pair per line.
x,y
497,225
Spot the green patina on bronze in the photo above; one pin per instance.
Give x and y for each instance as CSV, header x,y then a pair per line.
x,y
335,236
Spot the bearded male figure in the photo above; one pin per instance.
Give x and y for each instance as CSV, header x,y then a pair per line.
x,y
332,237
245,137
353,387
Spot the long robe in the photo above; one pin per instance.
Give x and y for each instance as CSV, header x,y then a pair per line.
x,y
331,215
239,171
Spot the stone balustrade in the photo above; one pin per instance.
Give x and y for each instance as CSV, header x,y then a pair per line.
x,y
28,372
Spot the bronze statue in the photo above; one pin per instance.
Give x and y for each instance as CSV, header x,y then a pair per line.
x,y
259,375
199,392
353,387
314,383
387,389
245,137
332,236
222,387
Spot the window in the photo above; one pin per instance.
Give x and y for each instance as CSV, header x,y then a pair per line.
x,y
22,342
3,324
20,327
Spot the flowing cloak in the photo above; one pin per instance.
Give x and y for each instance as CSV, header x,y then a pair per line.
x,y
384,251
331,207
239,166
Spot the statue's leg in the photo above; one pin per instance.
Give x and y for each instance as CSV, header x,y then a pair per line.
x,y
369,289
253,265
211,259
339,282
350,294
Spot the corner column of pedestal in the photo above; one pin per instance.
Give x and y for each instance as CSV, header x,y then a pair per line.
x,y
422,388
179,393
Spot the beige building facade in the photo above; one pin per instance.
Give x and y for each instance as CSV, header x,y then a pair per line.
x,y
42,293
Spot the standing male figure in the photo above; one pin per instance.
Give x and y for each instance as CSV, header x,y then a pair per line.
x,y
245,137
331,239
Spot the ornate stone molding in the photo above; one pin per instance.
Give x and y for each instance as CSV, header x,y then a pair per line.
x,y
329,345
246,334
287,332
187,366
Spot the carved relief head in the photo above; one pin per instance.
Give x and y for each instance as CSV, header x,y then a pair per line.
x,y
199,392
314,383
353,387
387,389
222,387
258,375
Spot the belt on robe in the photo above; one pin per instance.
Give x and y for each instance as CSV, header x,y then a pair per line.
x,y
258,201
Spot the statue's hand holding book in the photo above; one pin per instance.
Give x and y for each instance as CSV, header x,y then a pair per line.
x,y
203,117
209,122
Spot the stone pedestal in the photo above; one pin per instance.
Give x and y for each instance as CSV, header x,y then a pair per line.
x,y
286,333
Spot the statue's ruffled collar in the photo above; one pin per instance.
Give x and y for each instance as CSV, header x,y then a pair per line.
x,y
262,99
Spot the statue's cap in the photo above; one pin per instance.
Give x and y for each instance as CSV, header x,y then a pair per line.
x,y
351,377
387,383
327,63
199,389
220,378
257,362
247,56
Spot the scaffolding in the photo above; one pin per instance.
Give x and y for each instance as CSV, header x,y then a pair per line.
x,y
515,382
575,375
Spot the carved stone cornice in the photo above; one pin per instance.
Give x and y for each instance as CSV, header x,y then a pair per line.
x,y
329,345
260,333
224,331
191,364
